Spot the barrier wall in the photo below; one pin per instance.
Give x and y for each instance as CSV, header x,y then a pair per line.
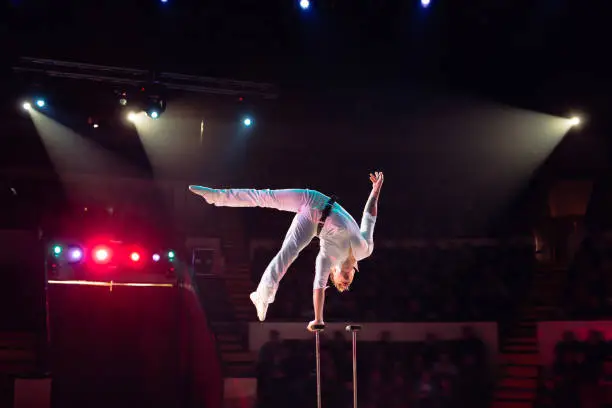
x,y
400,332
549,334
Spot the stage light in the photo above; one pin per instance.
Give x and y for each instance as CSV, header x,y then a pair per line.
x,y
247,122
575,121
153,114
304,4
26,106
40,103
156,257
135,256
75,254
57,250
171,255
132,116
101,254
95,126
425,3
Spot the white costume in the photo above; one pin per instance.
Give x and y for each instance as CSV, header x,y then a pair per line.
x,y
339,234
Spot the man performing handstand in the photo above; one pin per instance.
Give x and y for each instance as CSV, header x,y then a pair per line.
x,y
342,241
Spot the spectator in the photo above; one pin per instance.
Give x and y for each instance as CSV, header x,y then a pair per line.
x,y
444,367
426,391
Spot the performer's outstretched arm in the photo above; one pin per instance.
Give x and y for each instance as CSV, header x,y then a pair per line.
x,y
372,204
370,212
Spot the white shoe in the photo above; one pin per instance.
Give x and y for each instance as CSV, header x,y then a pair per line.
x,y
205,192
260,304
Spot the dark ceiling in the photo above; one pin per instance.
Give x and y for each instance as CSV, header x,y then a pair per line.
x,y
543,54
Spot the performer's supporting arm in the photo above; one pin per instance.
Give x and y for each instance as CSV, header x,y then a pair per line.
x,y
318,302
323,266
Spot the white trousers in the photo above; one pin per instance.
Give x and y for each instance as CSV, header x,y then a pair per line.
x,y
308,206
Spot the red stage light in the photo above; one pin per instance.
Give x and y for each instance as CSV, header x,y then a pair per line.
x,y
101,254
135,256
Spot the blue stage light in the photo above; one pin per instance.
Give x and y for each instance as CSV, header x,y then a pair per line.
x,y
305,4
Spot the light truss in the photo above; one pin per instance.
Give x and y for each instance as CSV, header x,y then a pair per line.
x,y
140,77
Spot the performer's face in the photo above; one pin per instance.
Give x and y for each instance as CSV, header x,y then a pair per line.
x,y
343,277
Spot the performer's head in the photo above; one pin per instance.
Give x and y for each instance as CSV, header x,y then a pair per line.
x,y
342,276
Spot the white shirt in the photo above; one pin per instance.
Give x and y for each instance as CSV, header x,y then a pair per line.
x,y
340,234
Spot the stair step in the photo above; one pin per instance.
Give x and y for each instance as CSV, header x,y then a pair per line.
x,y
240,371
17,339
515,394
521,358
512,404
522,371
13,368
520,348
239,357
230,347
522,340
521,383
524,332
10,355
228,338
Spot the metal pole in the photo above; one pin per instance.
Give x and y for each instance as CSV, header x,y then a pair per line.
x,y
318,328
318,357
353,329
354,369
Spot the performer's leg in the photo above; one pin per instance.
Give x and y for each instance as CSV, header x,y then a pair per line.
x,y
284,200
299,235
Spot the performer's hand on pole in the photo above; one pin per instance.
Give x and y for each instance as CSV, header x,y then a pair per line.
x,y
377,180
312,324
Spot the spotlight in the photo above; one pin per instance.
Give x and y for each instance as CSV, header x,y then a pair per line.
x,y
155,106
132,116
26,106
95,126
152,99
575,121
101,254
57,250
304,4
75,254
156,257
247,122
40,103
425,3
